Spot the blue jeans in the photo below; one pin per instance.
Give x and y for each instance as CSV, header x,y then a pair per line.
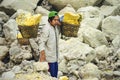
x,y
53,69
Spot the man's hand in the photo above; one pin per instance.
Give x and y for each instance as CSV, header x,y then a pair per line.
x,y
42,56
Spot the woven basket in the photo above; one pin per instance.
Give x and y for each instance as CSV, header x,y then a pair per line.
x,y
29,31
70,30
23,41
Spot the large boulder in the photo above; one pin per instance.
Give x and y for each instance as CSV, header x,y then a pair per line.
x,y
112,2
63,66
10,30
3,16
18,54
74,49
89,12
3,52
89,71
40,66
8,75
68,8
42,11
110,10
102,51
116,43
88,22
19,4
110,26
59,4
2,41
92,36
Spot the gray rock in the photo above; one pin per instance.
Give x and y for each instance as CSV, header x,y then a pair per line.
x,y
2,41
16,69
112,2
92,36
74,49
102,52
63,66
68,8
88,22
90,71
16,4
42,11
110,10
76,4
14,50
110,26
90,12
40,66
17,54
118,53
4,16
8,75
116,73
35,48
3,52
116,43
10,30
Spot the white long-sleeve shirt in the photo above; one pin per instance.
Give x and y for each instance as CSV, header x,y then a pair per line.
x,y
49,42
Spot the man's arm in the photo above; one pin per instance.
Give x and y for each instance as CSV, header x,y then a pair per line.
x,y
42,56
42,40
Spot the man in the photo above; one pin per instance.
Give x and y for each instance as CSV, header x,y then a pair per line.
x,y
49,43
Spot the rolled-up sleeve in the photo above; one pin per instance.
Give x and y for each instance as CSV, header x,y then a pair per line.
x,y
43,38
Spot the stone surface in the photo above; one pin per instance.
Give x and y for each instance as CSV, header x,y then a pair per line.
x,y
90,71
67,8
20,4
3,52
10,30
8,75
110,26
76,4
41,66
42,11
92,36
110,10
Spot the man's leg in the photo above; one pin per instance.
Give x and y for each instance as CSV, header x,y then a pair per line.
x,y
53,68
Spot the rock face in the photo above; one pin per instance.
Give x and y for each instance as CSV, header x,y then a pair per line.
x,y
112,2
76,4
41,66
8,75
102,51
93,37
68,8
18,4
3,16
89,12
90,71
110,10
3,52
110,26
10,30
41,10
93,55
116,42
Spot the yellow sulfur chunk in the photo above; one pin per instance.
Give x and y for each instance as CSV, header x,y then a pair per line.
x,y
63,78
28,19
72,18
19,35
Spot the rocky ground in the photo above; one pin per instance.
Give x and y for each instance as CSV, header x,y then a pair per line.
x,y
93,55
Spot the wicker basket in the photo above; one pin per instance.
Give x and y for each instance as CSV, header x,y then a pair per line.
x,y
70,30
29,31
23,41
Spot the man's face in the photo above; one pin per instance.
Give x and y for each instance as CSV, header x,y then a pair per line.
x,y
55,21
